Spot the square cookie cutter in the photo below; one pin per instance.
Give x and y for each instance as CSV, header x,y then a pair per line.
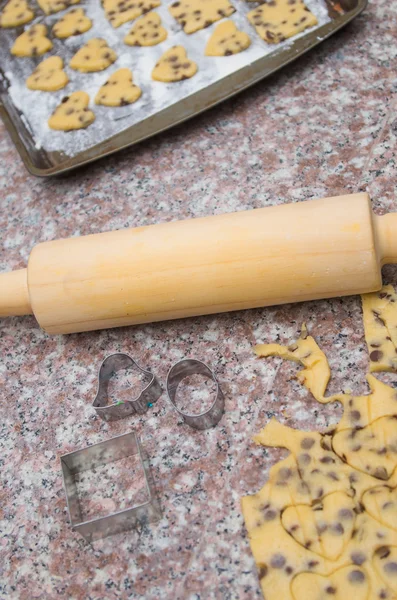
x,y
93,456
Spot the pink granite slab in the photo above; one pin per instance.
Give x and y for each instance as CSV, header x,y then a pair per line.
x,y
323,126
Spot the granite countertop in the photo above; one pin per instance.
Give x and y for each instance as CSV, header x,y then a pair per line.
x,y
325,125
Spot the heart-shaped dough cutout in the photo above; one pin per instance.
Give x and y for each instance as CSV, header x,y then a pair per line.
x,y
381,503
371,449
48,76
32,42
119,90
281,19
194,15
121,11
227,40
337,586
54,6
385,563
147,31
94,56
16,13
324,528
72,113
74,22
174,65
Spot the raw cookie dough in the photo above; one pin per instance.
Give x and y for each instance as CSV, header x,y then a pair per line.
x,y
118,90
48,76
227,40
146,32
193,15
120,11
380,325
16,13
174,65
320,525
95,55
32,42
54,6
74,22
278,20
72,113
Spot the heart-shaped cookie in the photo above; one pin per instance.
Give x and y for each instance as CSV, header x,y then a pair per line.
x,y
227,40
72,113
48,76
371,449
121,11
54,6
95,55
119,90
74,22
281,19
16,13
381,503
174,65
32,42
324,528
147,31
344,583
385,563
193,15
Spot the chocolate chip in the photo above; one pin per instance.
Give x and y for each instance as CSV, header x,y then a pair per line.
x,y
332,475
277,561
355,415
65,99
312,563
390,568
270,515
228,52
383,552
376,355
358,558
327,459
263,570
345,513
307,443
356,576
330,590
338,529
381,473
289,570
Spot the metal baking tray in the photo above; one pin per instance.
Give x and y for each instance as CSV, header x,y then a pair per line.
x,y
46,163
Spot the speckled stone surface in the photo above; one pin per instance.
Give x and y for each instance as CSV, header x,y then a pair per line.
x,y
323,126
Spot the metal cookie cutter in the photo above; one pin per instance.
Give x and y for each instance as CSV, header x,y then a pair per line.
x,y
147,397
185,368
106,452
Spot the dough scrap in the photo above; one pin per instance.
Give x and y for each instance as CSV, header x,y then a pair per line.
x,y
348,580
147,31
118,90
119,12
329,509
95,55
54,6
32,42
278,20
48,76
72,113
227,40
74,22
174,65
16,13
194,15
380,325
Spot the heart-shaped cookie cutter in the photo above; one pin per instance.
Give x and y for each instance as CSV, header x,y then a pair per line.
x,y
138,405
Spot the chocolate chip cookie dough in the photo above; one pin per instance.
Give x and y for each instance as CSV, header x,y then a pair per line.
x,y
147,31
194,15
32,42
174,65
277,20
227,40
72,113
94,56
48,76
16,13
75,22
119,90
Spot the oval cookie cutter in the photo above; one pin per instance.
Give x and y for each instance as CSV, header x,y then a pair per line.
x,y
138,405
185,368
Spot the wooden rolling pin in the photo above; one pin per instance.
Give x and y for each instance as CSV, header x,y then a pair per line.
x,y
286,253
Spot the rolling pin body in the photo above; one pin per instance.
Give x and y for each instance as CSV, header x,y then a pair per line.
x,y
287,253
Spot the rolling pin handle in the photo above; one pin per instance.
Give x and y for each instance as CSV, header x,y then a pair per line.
x,y
14,294
386,230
